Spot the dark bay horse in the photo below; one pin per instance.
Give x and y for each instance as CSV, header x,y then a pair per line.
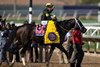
x,y
63,27
15,42
26,33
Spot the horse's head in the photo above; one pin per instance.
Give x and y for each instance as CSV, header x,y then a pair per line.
x,y
71,23
79,25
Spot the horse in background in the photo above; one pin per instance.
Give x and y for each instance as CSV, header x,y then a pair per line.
x,y
11,40
25,34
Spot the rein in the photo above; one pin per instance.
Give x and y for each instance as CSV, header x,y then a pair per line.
x,y
63,28
68,30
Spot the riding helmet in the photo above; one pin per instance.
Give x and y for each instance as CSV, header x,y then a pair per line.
x,y
49,5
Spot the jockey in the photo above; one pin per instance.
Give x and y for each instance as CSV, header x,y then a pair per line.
x,y
46,15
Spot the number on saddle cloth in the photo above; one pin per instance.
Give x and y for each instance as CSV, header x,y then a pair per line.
x,y
40,30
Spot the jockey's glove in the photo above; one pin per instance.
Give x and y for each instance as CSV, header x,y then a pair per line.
x,y
53,16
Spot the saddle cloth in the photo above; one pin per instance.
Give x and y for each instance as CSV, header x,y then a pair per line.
x,y
51,34
40,29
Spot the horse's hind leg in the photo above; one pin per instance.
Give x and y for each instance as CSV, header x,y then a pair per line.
x,y
31,54
22,55
5,57
50,54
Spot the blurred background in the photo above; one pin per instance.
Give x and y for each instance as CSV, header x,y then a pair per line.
x,y
18,10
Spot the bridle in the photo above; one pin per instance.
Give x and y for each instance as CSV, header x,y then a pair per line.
x,y
68,30
77,23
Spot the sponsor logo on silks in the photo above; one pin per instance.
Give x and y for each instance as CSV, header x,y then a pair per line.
x,y
51,34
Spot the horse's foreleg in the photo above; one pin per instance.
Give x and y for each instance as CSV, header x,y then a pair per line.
x,y
50,54
23,61
31,54
22,55
5,57
13,60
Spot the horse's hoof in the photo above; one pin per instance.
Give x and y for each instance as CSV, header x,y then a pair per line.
x,y
47,64
0,63
11,65
24,65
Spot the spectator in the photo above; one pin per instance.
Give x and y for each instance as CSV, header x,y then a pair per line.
x,y
3,39
77,54
68,43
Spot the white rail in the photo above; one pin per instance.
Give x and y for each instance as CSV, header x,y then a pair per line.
x,y
92,31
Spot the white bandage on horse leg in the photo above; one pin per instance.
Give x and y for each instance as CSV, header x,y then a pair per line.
x,y
13,59
23,61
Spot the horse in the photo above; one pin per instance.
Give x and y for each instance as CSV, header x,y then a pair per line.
x,y
63,28
11,40
25,34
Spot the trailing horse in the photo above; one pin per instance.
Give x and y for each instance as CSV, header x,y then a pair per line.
x,y
14,41
26,33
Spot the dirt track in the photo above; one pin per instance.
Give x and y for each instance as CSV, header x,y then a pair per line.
x,y
89,61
